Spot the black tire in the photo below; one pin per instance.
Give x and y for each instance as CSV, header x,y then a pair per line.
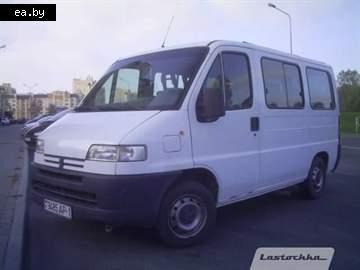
x,y
185,202
314,185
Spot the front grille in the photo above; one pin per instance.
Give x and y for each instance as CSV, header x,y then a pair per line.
x,y
63,162
59,176
65,193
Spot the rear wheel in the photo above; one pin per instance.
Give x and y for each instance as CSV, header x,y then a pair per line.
x,y
187,214
314,185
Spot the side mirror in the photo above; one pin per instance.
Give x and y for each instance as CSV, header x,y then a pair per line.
x,y
210,105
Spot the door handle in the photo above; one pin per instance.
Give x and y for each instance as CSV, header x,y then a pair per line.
x,y
254,123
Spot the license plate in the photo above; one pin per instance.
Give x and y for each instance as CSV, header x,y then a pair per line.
x,y
58,208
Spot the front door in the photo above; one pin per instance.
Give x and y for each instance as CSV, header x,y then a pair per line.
x,y
229,146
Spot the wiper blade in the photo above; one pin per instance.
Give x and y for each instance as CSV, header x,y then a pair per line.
x,y
122,107
106,108
84,109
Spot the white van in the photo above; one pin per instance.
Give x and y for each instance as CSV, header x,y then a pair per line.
x,y
165,138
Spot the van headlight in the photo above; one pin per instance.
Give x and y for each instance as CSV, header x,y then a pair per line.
x,y
122,153
40,146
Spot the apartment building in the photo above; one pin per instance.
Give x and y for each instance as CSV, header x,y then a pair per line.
x,y
82,87
7,98
23,102
12,102
42,101
59,98
74,100
26,106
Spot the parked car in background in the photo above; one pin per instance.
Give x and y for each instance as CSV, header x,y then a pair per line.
x,y
36,118
20,121
33,122
41,124
13,121
5,121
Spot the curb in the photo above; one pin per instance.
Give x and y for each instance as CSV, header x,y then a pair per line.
x,y
14,250
350,135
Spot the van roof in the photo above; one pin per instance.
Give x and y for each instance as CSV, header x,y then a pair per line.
x,y
213,44
249,45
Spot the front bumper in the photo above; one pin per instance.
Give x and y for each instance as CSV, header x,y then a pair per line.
x,y
118,200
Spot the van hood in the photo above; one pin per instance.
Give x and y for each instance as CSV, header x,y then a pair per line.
x,y
72,135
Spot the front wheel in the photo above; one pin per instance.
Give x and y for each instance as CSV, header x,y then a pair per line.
x,y
187,215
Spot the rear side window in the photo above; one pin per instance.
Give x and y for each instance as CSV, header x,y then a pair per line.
x,y
320,89
293,86
237,79
283,87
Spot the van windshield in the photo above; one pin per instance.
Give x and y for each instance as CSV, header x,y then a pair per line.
x,y
156,81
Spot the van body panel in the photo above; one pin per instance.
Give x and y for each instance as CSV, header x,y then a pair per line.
x,y
163,155
227,145
72,135
245,162
290,138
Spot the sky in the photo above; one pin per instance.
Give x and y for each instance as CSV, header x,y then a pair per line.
x,y
88,36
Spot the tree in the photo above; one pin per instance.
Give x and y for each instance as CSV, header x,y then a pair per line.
x,y
350,98
9,114
52,109
35,107
348,77
349,90
4,103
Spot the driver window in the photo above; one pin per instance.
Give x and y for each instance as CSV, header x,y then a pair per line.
x,y
103,95
213,82
127,85
237,81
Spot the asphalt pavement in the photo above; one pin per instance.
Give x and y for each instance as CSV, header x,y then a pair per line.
x,y
279,219
11,162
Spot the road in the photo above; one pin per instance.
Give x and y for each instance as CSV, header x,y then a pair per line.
x,y
280,219
11,161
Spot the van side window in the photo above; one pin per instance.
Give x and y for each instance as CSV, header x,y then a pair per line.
x,y
283,88
320,89
213,81
104,93
275,92
293,86
127,85
238,94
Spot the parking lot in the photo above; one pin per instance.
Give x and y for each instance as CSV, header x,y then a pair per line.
x,y
280,219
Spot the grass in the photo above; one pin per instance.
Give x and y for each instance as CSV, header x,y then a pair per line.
x,y
347,122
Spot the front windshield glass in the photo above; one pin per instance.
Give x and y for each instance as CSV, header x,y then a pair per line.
x,y
156,81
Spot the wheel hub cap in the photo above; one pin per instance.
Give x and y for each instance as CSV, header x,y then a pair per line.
x,y
187,216
317,179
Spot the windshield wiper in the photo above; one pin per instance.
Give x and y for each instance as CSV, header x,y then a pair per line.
x,y
84,109
109,107
122,107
